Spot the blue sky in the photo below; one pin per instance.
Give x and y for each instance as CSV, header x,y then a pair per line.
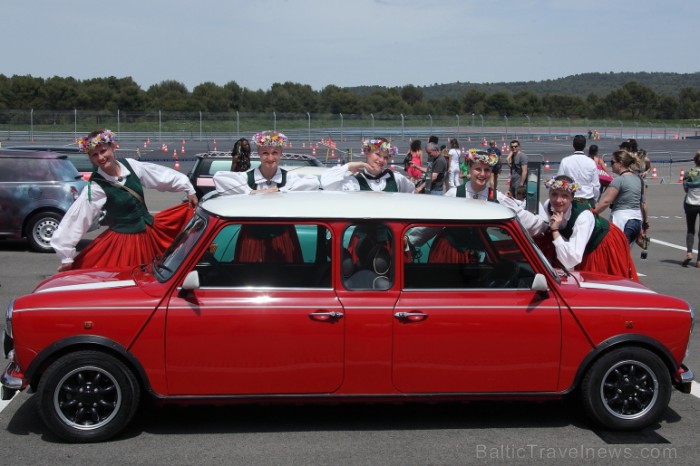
x,y
345,43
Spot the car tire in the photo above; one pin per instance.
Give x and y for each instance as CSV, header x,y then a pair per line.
x,y
87,396
40,229
626,389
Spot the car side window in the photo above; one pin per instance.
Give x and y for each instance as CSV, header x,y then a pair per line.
x,y
464,257
366,257
280,255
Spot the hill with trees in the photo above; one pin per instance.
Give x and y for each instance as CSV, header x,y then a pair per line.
x,y
650,96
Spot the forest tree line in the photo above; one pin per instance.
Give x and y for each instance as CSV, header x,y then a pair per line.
x,y
631,100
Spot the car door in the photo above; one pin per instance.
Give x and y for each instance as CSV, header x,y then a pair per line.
x,y
266,327
467,320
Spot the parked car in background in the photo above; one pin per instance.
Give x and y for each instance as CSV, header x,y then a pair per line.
x,y
36,190
208,163
351,307
80,160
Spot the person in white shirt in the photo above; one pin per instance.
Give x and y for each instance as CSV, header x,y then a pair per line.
x,y
455,155
370,175
583,169
268,177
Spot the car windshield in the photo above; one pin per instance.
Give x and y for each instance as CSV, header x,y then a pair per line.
x,y
173,257
543,258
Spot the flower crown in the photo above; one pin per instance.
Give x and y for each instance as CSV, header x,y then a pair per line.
x,y
484,157
379,145
565,185
270,138
87,143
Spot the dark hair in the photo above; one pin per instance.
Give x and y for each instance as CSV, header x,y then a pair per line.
x,y
593,150
579,142
696,159
454,143
415,144
433,139
630,145
240,157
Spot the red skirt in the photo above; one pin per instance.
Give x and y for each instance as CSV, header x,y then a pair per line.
x,y
114,249
269,245
443,252
612,256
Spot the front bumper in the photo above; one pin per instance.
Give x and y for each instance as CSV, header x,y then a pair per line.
x,y
685,379
11,381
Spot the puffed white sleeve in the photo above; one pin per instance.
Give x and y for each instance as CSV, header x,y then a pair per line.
x,y
160,178
535,224
231,182
80,217
403,184
296,182
339,178
570,253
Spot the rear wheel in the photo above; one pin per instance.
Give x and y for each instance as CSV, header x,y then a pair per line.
x,y
40,229
88,396
626,389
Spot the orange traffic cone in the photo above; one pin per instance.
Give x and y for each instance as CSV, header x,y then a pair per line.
x,y
546,165
177,164
682,175
504,147
653,173
175,153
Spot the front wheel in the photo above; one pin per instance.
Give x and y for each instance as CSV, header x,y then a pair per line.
x,y
87,396
40,229
626,389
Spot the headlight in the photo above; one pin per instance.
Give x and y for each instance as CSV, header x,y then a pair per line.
x,y
8,318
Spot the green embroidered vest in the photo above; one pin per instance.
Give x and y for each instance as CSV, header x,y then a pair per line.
x,y
253,185
125,213
462,192
389,187
599,230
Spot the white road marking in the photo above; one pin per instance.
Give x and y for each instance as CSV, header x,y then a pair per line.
x,y
695,389
4,403
671,245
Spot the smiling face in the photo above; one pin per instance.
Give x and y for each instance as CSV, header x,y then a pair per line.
x,y
377,160
560,200
269,159
103,157
480,174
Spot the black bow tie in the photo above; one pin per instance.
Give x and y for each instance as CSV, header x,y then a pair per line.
x,y
371,177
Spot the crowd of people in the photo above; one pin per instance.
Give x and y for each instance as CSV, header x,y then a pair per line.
x,y
567,226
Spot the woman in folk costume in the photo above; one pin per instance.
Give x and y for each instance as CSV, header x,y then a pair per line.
x,y
576,236
373,174
266,243
134,236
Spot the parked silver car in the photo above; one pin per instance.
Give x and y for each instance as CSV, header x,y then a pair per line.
x,y
36,190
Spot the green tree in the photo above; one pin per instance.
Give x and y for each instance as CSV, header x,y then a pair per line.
x,y
210,97
169,96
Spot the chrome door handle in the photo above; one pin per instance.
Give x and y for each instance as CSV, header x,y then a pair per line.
x,y
411,316
326,315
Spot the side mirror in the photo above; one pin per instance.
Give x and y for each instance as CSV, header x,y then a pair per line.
x,y
191,281
539,283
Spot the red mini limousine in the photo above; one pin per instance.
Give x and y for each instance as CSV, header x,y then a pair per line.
x,y
343,297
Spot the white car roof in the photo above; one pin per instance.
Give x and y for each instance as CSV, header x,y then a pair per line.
x,y
353,205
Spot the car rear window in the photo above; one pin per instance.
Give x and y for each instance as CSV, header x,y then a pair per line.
x,y
23,169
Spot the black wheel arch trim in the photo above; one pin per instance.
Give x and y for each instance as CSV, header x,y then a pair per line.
x,y
630,339
83,342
